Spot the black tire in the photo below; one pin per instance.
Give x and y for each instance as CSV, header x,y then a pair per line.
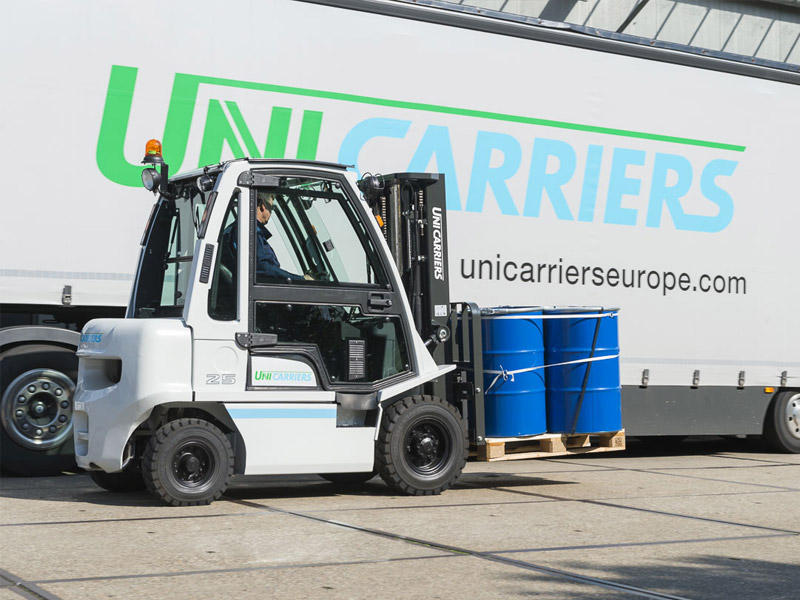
x,y
21,451
348,478
129,480
188,462
422,446
782,422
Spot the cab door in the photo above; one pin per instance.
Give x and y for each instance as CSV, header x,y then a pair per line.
x,y
325,328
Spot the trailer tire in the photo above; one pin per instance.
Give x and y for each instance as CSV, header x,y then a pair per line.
x,y
188,462
782,423
348,478
422,446
129,480
37,377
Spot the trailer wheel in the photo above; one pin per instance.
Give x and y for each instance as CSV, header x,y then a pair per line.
x,y
36,410
422,446
188,462
129,480
348,478
782,423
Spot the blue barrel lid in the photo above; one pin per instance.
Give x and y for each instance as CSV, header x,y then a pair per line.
x,y
499,311
579,310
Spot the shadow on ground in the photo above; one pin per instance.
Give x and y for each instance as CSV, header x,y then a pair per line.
x,y
77,487
81,489
698,577
690,446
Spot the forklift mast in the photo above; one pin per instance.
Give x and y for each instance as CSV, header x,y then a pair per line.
x,y
412,215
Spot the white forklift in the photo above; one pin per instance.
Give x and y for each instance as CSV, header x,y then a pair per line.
x,y
271,330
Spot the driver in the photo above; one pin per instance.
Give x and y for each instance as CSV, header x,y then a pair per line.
x,y
267,264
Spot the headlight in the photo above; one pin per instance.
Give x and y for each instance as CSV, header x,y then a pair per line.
x,y
151,179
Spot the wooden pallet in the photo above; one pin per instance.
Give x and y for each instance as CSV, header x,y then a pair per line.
x,y
548,445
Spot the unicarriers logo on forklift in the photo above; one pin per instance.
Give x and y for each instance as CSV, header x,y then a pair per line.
x,y
438,246
283,378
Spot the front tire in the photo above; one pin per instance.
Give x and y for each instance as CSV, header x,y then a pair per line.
x,y
782,423
422,446
188,462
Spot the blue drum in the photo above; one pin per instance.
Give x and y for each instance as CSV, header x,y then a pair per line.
x,y
571,338
513,339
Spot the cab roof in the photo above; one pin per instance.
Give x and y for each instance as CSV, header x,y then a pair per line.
x,y
216,168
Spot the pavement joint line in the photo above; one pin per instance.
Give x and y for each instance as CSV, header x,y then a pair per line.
x,y
760,485
762,465
697,518
239,570
641,544
763,460
549,498
577,577
24,588
710,495
668,474
131,519
652,511
454,550
509,503
702,495
422,506
723,467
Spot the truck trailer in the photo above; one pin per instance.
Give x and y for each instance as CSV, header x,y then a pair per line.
x,y
582,168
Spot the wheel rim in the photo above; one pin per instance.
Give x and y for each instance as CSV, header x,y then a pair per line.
x,y
37,409
193,465
792,416
427,447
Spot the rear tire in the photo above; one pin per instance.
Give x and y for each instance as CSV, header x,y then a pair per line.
x,y
782,423
422,446
188,462
129,480
36,410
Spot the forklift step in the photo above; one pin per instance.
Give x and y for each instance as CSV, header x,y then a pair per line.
x,y
548,445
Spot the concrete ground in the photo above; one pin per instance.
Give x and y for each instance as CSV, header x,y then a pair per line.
x,y
705,519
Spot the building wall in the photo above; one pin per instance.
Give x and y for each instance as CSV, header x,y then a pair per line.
x,y
766,30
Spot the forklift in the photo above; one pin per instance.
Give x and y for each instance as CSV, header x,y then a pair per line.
x,y
286,317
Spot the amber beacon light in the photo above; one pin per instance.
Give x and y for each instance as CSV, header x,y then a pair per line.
x,y
152,153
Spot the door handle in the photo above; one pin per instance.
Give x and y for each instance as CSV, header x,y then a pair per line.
x,y
378,301
256,340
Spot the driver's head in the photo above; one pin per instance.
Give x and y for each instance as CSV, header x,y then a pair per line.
x,y
264,207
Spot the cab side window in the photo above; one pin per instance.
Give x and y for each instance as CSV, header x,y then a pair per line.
x,y
223,297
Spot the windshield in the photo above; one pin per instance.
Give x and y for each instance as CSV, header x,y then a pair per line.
x,y
166,261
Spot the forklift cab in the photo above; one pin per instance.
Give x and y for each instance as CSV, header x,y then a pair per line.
x,y
288,255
